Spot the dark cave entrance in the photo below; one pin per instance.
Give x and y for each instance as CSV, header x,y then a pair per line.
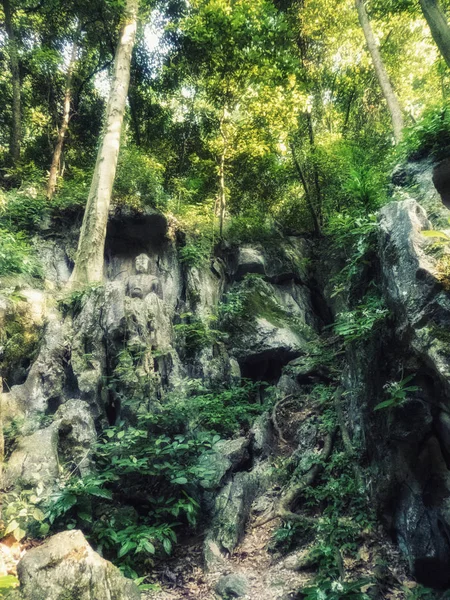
x,y
266,366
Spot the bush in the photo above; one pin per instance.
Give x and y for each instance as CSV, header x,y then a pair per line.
x,y
359,323
138,180
16,255
23,210
430,136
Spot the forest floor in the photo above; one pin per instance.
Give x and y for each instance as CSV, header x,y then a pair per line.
x,y
271,577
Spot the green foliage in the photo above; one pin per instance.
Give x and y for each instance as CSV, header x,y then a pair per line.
x,y
430,136
23,210
138,181
336,590
19,339
73,302
195,334
221,411
22,517
397,392
361,322
16,255
7,583
353,236
194,253
134,461
290,536
155,459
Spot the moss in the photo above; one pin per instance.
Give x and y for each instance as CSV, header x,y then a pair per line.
x,y
20,338
440,333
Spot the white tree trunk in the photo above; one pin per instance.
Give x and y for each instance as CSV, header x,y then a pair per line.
x,y
90,254
438,25
383,78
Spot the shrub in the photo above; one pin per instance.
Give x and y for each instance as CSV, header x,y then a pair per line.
x,y
359,323
430,136
16,255
23,210
138,180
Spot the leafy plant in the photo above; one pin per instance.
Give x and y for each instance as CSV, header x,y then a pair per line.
x,y
195,334
336,590
359,323
22,515
16,255
397,392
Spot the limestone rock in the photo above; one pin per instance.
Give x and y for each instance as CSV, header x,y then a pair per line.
x,y
234,585
77,435
226,457
65,567
35,461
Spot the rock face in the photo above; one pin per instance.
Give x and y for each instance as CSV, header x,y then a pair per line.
x,y
408,444
148,292
66,568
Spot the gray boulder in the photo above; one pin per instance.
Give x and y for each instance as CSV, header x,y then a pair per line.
x,y
65,567
234,585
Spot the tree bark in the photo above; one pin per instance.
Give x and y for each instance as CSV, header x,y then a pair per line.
x,y
55,168
222,187
91,246
438,25
16,124
383,78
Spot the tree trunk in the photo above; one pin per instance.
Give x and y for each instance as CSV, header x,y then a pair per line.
x,y
438,25
16,126
222,188
306,190
383,79
56,161
91,246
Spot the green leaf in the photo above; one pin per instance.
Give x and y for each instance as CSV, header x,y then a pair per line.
x,y
180,480
437,234
19,533
384,404
38,514
11,527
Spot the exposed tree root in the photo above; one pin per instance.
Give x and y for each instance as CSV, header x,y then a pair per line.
x,y
274,418
294,491
345,435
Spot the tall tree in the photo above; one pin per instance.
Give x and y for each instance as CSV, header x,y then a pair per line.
x,y
383,78
89,258
56,160
16,124
439,27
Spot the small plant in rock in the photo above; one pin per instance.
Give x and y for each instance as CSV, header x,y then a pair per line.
x,y
72,303
290,536
353,236
194,254
397,392
360,323
195,334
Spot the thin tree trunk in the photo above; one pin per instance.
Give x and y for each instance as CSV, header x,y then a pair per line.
x,y
16,125
438,25
383,78
222,188
56,161
312,145
91,246
306,190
